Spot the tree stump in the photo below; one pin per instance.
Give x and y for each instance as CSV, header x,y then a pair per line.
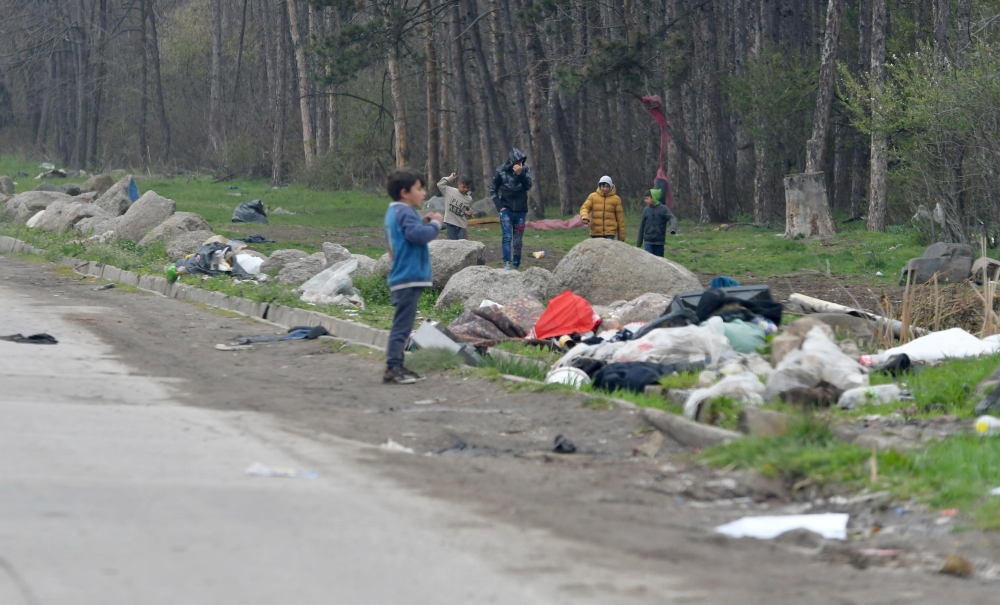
x,y
807,211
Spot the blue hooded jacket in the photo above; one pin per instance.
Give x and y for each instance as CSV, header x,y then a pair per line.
x,y
406,237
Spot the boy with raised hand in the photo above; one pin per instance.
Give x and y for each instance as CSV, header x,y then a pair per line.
x,y
457,204
406,236
656,218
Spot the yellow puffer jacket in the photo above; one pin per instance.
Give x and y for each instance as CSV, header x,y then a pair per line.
x,y
605,214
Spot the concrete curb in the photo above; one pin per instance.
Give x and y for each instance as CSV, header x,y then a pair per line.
x,y
687,432
278,315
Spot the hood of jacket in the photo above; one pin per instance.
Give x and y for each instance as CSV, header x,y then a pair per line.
x,y
657,195
514,156
614,191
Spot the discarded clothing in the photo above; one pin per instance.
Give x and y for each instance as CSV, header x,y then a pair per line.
x,y
486,326
563,446
296,333
723,281
34,339
675,319
745,387
566,314
250,212
635,376
689,344
716,301
257,239
744,337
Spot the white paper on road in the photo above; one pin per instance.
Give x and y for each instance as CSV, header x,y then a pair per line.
x,y
832,526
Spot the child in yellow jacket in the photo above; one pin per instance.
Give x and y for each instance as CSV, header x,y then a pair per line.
x,y
603,212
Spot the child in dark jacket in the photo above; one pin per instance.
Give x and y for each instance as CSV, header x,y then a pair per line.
x,y
406,236
655,220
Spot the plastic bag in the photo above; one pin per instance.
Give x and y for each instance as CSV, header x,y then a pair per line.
x,y
689,344
251,264
566,314
250,212
819,360
883,393
333,286
745,387
955,343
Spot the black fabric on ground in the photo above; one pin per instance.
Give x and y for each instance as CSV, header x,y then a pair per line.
x,y
257,239
314,332
34,339
588,365
635,376
716,298
563,445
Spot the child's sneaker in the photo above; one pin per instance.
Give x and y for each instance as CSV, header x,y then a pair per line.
x,y
413,375
507,266
398,376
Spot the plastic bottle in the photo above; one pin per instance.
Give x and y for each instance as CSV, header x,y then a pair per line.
x,y
987,426
172,273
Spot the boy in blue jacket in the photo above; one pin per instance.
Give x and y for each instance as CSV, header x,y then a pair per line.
x,y
406,236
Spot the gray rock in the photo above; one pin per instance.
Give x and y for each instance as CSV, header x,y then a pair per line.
x,y
951,262
472,285
147,212
179,222
98,225
846,326
366,265
604,271
117,200
335,253
300,271
6,185
647,307
383,265
187,242
448,257
23,206
435,204
280,258
71,189
90,197
99,184
48,187
484,208
63,215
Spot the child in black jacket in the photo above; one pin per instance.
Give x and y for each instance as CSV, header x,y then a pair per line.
x,y
655,220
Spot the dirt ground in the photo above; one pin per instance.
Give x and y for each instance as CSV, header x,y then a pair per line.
x,y
657,513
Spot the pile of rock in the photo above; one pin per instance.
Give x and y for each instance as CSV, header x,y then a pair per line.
x,y
952,263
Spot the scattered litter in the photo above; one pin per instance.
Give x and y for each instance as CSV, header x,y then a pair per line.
x,y
955,343
257,239
333,286
539,254
105,287
294,333
565,314
34,339
563,446
995,491
949,512
250,212
819,360
280,210
392,446
258,469
34,220
988,426
489,303
742,387
878,274
47,166
251,264
221,347
880,552
832,526
880,394
430,401
573,377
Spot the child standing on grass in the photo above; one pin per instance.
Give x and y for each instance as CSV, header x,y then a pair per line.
x,y
656,218
406,236
458,205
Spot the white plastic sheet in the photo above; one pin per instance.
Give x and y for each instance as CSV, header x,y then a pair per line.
x,y
819,360
680,345
745,387
832,526
250,263
333,286
955,343
34,220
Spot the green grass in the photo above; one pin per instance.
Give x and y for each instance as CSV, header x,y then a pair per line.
x,y
534,352
433,360
514,367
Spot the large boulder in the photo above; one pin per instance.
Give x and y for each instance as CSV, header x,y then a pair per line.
x,y
63,215
48,187
99,184
89,197
147,212
117,200
98,225
472,285
300,271
280,258
647,307
604,271
179,222
383,265
6,185
951,262
187,242
448,257
335,253
484,208
71,189
435,204
366,265
23,206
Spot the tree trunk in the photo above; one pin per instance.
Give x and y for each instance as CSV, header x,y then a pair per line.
x,y
95,110
942,29
485,76
535,208
215,92
161,106
316,109
239,53
962,39
481,114
558,148
877,191
82,77
275,64
463,125
710,110
433,104
144,95
816,146
333,100
308,138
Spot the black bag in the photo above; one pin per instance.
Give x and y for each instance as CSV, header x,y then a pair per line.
x,y
250,212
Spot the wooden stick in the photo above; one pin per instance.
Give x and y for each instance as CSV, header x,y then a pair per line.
x,y
904,334
937,305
